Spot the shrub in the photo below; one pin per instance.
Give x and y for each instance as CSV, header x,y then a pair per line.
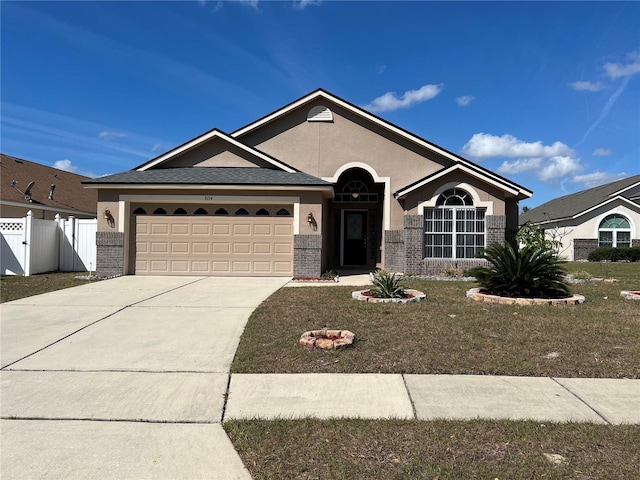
x,y
628,254
387,285
528,272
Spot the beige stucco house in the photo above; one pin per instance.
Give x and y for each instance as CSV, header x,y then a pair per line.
x,y
318,184
604,216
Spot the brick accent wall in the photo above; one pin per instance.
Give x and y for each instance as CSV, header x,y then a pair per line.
x,y
394,255
583,246
110,254
307,255
437,266
635,242
496,226
413,243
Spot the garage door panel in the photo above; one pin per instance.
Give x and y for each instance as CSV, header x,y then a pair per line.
x,y
201,229
222,229
159,229
179,247
223,248
262,248
159,247
202,245
263,230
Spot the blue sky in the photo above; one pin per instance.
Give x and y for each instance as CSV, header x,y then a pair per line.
x,y
544,93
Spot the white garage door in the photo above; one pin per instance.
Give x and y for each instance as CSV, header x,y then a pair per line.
x,y
206,245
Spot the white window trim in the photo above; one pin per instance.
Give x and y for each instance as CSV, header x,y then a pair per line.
x,y
487,205
454,233
615,211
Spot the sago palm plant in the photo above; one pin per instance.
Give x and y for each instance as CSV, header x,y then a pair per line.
x,y
528,272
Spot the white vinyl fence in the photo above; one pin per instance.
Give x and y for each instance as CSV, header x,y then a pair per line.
x,y
30,245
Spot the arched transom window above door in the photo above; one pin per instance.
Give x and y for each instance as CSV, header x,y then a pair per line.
x,y
614,231
356,191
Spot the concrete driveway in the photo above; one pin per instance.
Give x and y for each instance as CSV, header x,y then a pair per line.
x,y
124,378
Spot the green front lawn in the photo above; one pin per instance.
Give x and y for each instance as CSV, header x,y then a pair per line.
x,y
449,333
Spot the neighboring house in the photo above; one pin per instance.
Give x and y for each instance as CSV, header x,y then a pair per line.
x,y
317,184
604,216
44,190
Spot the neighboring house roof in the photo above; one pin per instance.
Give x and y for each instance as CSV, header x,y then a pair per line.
x,y
69,196
508,185
245,176
571,206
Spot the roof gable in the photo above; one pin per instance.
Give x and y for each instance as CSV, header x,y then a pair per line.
x,y
244,154
329,98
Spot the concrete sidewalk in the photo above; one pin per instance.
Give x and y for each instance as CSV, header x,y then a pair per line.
x,y
428,397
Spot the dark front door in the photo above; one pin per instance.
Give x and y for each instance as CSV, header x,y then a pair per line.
x,y
354,238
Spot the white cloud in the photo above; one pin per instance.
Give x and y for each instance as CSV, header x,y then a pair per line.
x,y
617,70
302,4
465,100
389,101
587,86
596,178
519,166
107,135
155,147
249,3
68,166
602,152
484,145
381,69
557,167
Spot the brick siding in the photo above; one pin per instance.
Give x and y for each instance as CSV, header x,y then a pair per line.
x,y
582,247
110,254
307,255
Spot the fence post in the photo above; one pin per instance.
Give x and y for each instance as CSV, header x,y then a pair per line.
x,y
73,224
60,223
28,229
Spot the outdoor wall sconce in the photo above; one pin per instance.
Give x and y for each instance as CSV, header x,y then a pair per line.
x,y
312,221
109,218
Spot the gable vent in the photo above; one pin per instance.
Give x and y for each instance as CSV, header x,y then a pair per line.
x,y
320,114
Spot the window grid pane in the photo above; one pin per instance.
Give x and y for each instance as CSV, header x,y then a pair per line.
x,y
453,230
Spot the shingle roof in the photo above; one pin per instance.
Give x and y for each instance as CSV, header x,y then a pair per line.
x,y
69,193
210,176
571,205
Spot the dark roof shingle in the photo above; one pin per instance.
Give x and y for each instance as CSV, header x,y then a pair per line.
x,y
210,176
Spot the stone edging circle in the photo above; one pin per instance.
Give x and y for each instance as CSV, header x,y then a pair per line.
x,y
416,296
478,296
627,295
327,339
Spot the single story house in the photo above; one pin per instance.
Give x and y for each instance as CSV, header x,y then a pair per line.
x,y
603,216
45,191
318,184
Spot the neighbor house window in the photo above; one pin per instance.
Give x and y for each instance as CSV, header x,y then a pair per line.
x,y
614,231
454,228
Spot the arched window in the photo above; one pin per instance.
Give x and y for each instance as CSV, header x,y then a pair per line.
x,y
614,231
454,228
139,211
221,211
241,211
180,211
200,211
159,211
283,212
263,212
